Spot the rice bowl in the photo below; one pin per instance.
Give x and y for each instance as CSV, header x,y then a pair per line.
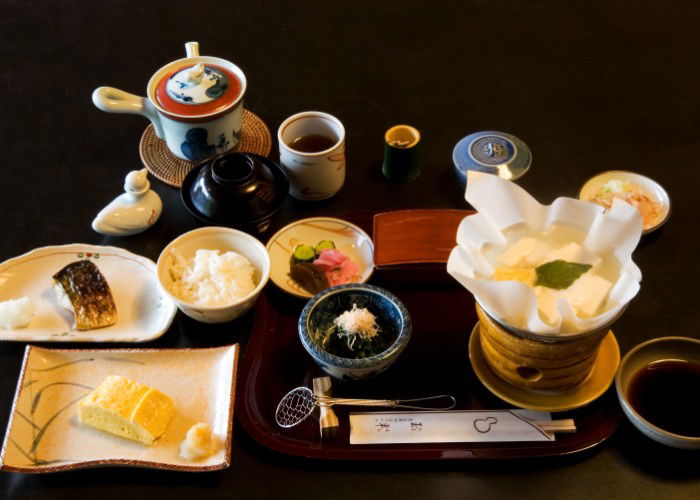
x,y
213,302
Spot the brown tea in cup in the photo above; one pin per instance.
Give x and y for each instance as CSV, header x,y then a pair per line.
x,y
312,143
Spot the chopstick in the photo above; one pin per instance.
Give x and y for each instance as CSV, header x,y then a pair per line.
x,y
564,425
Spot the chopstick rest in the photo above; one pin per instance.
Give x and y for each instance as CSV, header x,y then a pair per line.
x,y
455,426
328,421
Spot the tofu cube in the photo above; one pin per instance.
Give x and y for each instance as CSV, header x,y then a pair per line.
x,y
517,252
588,294
547,303
573,252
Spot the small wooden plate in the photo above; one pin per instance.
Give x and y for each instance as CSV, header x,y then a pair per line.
x,y
407,237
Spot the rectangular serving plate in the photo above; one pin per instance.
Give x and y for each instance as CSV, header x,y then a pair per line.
x,y
435,362
44,435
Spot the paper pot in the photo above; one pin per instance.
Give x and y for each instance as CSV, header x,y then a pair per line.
x,y
502,206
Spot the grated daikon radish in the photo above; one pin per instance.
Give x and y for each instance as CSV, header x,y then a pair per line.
x,y
358,321
16,313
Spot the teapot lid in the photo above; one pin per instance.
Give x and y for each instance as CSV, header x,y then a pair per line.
x,y
196,88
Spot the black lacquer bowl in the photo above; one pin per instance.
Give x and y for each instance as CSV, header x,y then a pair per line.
x,y
241,190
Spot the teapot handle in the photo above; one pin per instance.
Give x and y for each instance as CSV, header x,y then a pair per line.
x,y
114,100
192,49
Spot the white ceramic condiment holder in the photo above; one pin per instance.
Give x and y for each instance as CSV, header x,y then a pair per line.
x,y
132,212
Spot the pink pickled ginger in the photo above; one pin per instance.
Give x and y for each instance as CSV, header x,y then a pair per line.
x,y
338,267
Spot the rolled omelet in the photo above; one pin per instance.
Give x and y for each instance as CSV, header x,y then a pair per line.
x,y
128,409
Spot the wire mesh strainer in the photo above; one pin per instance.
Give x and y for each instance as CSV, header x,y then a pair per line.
x,y
299,403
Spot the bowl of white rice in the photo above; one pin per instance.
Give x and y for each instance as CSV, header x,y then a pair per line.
x,y
214,274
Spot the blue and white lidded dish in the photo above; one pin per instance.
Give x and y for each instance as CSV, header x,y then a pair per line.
x,y
491,152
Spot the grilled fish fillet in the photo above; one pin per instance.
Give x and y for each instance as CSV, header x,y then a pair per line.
x,y
82,289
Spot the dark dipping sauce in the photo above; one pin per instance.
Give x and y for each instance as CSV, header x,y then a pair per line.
x,y
667,394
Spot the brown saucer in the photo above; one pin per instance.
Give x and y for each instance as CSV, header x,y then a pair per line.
x,y
167,167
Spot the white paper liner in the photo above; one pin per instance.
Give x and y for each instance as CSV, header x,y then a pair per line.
x,y
501,205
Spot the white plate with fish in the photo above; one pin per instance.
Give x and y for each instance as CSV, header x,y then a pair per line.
x,y
331,252
44,433
143,312
647,195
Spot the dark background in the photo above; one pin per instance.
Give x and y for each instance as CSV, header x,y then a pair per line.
x,y
588,86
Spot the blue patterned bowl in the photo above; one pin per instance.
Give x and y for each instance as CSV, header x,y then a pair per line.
x,y
320,311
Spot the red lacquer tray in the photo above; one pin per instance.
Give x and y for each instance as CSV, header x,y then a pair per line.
x,y
435,362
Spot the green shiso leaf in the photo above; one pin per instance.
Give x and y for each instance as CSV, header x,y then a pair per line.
x,y
559,274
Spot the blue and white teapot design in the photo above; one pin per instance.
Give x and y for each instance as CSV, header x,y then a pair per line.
x,y
195,104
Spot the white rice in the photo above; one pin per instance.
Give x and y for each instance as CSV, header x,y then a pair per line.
x,y
210,279
16,313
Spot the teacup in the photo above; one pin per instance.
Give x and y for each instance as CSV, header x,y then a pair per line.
x,y
313,175
195,104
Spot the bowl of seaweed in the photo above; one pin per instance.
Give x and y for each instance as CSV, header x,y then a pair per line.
x,y
354,331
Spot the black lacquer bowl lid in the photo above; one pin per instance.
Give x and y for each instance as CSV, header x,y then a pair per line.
x,y
235,189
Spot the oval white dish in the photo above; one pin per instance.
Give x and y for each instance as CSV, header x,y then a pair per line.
x,y
143,311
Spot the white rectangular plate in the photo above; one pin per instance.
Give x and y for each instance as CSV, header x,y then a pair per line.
x,y
44,434
143,311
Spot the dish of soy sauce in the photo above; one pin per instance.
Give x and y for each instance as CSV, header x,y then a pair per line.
x,y
667,394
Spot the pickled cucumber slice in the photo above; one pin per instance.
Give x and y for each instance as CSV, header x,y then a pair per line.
x,y
324,245
303,253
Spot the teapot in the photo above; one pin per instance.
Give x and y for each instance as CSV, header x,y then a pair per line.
x,y
195,104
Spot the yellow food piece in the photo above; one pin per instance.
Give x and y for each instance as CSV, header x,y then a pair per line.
x,y
525,275
127,409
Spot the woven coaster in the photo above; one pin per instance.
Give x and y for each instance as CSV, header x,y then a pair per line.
x,y
172,170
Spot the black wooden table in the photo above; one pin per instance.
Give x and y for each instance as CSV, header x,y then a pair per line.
x,y
588,87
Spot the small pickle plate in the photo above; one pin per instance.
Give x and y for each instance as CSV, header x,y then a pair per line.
x,y
44,434
348,238
143,311
648,186
593,387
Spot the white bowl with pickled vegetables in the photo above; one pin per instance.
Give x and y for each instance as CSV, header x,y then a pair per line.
x,y
311,255
214,274
354,331
650,199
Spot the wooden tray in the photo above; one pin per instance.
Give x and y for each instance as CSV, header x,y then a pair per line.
x,y
435,362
